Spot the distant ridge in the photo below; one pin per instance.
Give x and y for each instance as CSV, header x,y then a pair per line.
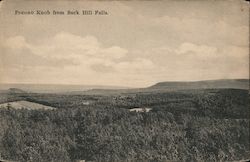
x,y
52,88
223,83
174,86
109,90
12,91
15,90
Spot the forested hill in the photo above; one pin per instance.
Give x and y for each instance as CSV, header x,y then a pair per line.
x,y
12,91
173,86
209,84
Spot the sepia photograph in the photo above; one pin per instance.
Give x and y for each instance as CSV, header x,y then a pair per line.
x,y
124,81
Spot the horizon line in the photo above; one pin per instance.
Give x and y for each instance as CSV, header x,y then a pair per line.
x,y
120,86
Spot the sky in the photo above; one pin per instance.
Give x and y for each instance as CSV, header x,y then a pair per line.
x,y
137,44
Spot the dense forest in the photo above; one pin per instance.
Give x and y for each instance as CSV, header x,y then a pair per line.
x,y
191,125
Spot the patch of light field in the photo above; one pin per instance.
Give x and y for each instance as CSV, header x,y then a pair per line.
x,y
26,105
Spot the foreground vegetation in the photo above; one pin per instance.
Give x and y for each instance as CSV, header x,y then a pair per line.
x,y
194,125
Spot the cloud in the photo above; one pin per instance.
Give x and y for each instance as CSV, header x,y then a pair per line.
x,y
135,66
102,68
198,50
114,52
66,45
198,61
23,58
75,55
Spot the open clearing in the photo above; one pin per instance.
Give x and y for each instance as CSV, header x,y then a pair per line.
x,y
26,105
144,109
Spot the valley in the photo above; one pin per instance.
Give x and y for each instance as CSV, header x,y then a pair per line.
x,y
151,124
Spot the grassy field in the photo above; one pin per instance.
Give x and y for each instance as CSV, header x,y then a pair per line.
x,y
25,105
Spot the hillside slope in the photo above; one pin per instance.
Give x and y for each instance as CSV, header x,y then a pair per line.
x,y
209,84
174,86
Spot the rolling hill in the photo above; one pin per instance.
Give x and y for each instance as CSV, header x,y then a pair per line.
x,y
51,88
174,86
208,84
110,90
